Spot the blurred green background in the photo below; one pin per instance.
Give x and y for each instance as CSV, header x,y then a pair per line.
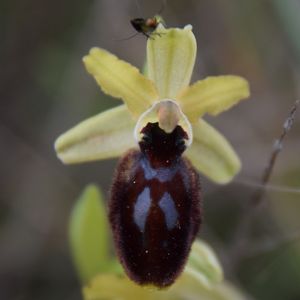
x,y
44,90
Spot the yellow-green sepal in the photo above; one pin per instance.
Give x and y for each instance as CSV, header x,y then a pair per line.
x,y
211,154
103,136
171,55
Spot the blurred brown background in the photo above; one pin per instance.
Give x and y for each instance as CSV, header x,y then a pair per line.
x,y
45,90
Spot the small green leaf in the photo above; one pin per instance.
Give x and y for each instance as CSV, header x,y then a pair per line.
x,y
203,264
88,233
114,267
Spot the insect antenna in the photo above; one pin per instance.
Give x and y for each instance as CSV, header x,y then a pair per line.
x,y
138,6
127,38
163,6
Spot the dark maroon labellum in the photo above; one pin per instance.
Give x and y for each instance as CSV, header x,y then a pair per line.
x,y
155,207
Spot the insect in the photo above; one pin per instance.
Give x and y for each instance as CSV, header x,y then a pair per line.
x,y
145,26
155,207
148,26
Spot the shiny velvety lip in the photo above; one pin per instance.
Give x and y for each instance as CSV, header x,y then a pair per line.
x,y
155,208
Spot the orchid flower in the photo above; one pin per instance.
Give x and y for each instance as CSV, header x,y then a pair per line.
x,y
163,95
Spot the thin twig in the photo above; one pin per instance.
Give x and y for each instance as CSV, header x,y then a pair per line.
x,y
268,187
277,147
138,6
253,207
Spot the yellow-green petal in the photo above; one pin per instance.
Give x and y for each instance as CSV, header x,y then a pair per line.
x,y
212,95
119,79
88,233
105,135
171,55
211,154
203,261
